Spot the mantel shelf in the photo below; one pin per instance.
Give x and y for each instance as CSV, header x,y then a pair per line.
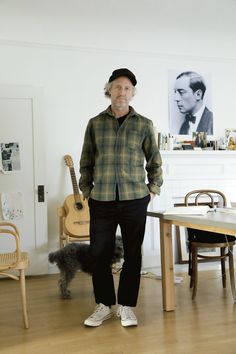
x,y
198,152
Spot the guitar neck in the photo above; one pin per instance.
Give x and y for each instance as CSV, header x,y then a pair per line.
x,y
75,185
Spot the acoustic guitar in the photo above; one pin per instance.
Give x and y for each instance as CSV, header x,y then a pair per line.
x,y
77,210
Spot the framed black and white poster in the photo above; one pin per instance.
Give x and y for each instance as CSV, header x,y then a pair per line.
x,y
190,103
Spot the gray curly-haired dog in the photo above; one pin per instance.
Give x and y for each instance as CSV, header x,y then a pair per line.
x,y
76,256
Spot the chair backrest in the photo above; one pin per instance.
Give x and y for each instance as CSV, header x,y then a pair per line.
x,y
8,229
11,258
211,197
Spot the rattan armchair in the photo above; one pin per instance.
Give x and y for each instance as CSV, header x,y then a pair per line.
x,y
14,260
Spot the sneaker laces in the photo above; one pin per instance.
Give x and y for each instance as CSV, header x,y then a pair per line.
x,y
126,313
98,308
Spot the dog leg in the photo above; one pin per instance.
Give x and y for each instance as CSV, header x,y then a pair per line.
x,y
63,283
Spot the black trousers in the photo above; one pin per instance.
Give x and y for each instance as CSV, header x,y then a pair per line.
x,y
104,219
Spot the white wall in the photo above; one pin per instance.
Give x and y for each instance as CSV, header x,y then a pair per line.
x,y
69,48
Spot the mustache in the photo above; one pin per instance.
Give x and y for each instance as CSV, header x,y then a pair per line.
x,y
123,97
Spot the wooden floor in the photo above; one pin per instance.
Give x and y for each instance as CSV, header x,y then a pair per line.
x,y
207,325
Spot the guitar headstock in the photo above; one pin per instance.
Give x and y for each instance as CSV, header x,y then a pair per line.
x,y
68,161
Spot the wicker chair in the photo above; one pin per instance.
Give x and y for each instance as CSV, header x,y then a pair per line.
x,y
199,239
14,260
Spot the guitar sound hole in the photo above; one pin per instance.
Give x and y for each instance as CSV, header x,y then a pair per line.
x,y
79,206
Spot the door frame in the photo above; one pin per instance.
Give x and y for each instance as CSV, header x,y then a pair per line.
x,y
35,94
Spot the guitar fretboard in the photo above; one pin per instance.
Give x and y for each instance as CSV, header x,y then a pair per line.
x,y
74,184
69,163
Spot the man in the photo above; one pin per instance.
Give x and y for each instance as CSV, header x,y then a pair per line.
x,y
189,92
113,178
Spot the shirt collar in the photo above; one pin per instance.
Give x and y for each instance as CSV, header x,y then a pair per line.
x,y
198,115
108,111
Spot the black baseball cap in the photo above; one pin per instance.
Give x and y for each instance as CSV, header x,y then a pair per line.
x,y
123,72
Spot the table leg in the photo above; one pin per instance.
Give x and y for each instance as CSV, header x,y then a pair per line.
x,y
167,266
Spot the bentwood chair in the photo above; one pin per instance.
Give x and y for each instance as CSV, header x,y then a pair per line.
x,y
201,240
14,260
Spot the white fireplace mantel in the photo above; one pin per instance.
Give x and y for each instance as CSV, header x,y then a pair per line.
x,y
184,171
187,170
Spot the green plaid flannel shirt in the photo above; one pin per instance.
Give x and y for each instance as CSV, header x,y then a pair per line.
x,y
113,156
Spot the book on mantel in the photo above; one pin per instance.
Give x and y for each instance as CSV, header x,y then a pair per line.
x,y
188,210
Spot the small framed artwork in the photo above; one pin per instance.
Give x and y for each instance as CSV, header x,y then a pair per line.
x,y
230,135
200,139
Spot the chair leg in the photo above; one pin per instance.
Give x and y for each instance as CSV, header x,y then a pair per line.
x,y
222,253
23,297
190,265
231,272
191,280
194,271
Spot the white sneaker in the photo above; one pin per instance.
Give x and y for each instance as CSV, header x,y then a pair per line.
x,y
127,316
100,314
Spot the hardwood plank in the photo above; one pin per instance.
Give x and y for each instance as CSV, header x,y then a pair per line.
x,y
56,326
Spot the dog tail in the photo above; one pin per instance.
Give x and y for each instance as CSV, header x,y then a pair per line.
x,y
53,256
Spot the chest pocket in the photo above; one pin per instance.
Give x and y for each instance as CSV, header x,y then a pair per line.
x,y
134,139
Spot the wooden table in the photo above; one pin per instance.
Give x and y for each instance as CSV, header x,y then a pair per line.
x,y
217,221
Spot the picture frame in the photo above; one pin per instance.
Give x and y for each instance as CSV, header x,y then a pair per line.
x,y
230,132
230,137
176,115
200,139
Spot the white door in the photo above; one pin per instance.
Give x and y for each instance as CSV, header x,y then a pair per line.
x,y
20,122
